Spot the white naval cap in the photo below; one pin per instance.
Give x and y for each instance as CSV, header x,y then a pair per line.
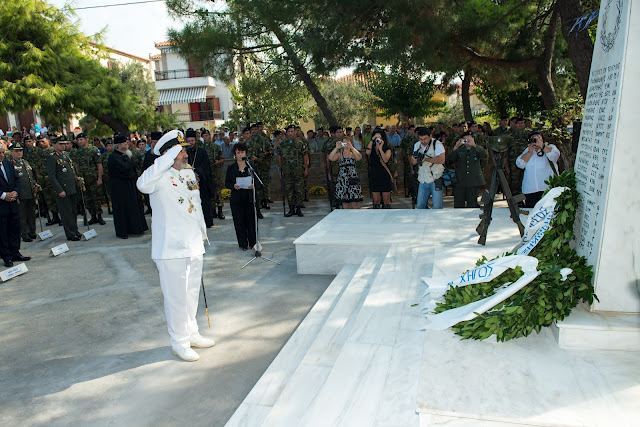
x,y
168,140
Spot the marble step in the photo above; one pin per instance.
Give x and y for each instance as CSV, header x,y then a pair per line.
x,y
584,329
258,403
310,375
374,379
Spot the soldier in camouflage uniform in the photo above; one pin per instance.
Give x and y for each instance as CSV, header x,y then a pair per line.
x,y
254,154
305,141
331,168
216,162
28,192
264,167
89,167
294,160
502,128
42,178
32,155
519,134
408,172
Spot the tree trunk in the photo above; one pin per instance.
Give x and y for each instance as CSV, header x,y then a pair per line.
x,y
545,64
466,100
579,43
305,77
114,123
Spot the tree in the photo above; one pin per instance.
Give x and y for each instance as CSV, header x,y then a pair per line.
x,y
349,103
522,101
406,92
249,30
46,63
275,98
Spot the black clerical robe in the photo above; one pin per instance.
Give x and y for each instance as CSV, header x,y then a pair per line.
x,y
128,210
199,160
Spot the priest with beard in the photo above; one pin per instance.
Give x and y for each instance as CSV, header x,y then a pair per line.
x,y
199,161
128,210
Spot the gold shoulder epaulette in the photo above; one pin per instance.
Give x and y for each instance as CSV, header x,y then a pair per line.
x,y
188,166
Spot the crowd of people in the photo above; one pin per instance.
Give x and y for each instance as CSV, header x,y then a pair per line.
x,y
60,178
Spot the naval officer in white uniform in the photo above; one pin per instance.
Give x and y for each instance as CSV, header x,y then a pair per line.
x,y
177,240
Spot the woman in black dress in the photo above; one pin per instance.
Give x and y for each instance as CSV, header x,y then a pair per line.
x,y
379,153
242,206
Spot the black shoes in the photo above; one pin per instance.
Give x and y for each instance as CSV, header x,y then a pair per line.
x,y
55,219
74,238
100,220
291,212
93,220
8,263
220,214
265,204
269,201
27,239
19,257
299,212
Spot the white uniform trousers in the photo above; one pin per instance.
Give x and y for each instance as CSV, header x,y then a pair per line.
x,y
180,283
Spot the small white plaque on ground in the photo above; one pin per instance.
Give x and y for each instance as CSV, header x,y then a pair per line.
x,y
89,234
46,234
60,249
14,271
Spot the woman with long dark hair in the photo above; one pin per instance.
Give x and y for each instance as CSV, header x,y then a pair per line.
x,y
241,202
379,154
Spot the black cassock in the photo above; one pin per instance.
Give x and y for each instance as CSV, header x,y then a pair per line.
x,y
128,210
199,160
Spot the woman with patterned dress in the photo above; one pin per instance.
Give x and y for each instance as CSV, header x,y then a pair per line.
x,y
348,190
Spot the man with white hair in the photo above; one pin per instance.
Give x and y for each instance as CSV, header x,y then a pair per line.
x,y
177,240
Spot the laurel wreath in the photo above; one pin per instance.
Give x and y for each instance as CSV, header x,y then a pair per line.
x,y
547,298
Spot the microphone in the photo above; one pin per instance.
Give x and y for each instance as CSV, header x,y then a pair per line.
x,y
244,158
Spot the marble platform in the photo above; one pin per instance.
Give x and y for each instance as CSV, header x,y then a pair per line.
x,y
348,236
362,358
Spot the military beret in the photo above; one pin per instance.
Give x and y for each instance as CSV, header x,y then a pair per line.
x,y
168,140
81,135
206,132
246,130
16,146
467,133
27,136
155,135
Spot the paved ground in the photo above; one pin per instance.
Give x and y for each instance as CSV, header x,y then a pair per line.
x,y
84,337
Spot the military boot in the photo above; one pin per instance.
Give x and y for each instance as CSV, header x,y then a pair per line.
x,y
93,220
260,216
376,206
298,211
265,205
385,206
220,214
291,212
100,220
55,219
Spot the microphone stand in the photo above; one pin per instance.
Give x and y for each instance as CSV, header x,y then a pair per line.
x,y
257,247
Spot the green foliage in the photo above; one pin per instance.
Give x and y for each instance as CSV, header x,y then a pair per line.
x,y
348,102
524,101
274,98
547,298
452,114
46,63
93,127
404,92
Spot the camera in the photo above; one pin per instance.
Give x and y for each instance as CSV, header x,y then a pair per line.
x,y
418,155
532,140
343,144
378,140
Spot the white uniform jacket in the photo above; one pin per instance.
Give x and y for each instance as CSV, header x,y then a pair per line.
x,y
178,229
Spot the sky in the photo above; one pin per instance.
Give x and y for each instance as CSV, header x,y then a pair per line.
x,y
133,28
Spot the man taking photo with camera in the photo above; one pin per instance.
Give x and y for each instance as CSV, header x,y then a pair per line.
x,y
430,154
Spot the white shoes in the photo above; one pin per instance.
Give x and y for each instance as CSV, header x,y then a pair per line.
x,y
199,341
186,354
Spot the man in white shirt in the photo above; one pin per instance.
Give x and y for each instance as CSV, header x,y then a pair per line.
x,y
430,152
539,162
177,241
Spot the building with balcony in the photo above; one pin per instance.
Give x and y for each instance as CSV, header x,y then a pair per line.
x,y
199,101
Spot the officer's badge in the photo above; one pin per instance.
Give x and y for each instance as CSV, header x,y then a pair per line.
x,y
180,137
191,207
192,185
181,200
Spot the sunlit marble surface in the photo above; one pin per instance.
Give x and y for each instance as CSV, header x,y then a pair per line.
x,y
529,380
347,236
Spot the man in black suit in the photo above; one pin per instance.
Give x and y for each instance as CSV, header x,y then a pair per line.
x,y
9,212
